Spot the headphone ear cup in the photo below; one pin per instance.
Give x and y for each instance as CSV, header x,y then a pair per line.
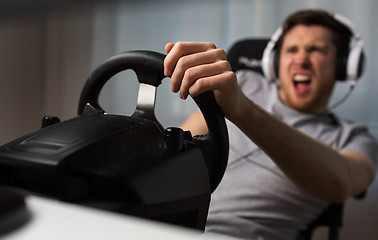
x,y
361,64
341,65
268,58
267,62
276,61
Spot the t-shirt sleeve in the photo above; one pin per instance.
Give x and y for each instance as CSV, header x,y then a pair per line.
x,y
360,140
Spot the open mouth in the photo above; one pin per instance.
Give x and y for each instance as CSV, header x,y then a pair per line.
x,y
302,83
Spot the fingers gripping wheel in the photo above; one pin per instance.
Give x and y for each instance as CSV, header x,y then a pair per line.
x,y
149,68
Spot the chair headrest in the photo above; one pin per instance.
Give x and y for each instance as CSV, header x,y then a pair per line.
x,y
247,54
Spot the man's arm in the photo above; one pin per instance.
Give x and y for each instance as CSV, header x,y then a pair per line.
x,y
196,124
312,165
199,67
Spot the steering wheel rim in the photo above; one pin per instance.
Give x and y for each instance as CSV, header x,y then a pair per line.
x,y
149,68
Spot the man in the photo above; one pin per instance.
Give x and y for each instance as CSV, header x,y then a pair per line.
x,y
289,157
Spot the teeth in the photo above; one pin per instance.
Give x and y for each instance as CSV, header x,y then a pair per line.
x,y
301,78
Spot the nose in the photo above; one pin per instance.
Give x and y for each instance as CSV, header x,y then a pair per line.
x,y
302,58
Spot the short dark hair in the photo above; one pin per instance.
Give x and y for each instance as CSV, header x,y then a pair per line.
x,y
341,33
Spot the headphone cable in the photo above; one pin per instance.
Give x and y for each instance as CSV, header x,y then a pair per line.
x,y
342,100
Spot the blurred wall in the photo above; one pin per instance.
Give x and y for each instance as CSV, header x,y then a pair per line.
x,y
48,50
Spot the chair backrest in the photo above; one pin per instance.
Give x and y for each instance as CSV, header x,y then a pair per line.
x,y
332,217
247,54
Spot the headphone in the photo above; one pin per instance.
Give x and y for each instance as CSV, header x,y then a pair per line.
x,y
350,64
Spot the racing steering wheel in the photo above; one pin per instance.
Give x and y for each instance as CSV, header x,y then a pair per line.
x,y
149,68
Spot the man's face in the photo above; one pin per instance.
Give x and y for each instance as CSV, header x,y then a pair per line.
x,y
307,68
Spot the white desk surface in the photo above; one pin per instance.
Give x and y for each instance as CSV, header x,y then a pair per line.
x,y
54,220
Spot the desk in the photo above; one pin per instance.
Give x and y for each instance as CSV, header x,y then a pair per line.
x,y
57,220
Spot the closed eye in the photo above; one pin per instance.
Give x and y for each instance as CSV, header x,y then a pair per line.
x,y
315,49
292,49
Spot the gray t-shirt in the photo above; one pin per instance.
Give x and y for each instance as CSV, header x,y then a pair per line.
x,y
255,200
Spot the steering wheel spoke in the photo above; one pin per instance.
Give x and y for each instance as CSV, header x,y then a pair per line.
x,y
146,101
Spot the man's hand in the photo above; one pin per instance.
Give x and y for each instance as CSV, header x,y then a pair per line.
x,y
196,68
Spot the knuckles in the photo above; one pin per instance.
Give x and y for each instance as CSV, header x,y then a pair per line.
x,y
191,73
187,72
220,53
225,65
184,62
